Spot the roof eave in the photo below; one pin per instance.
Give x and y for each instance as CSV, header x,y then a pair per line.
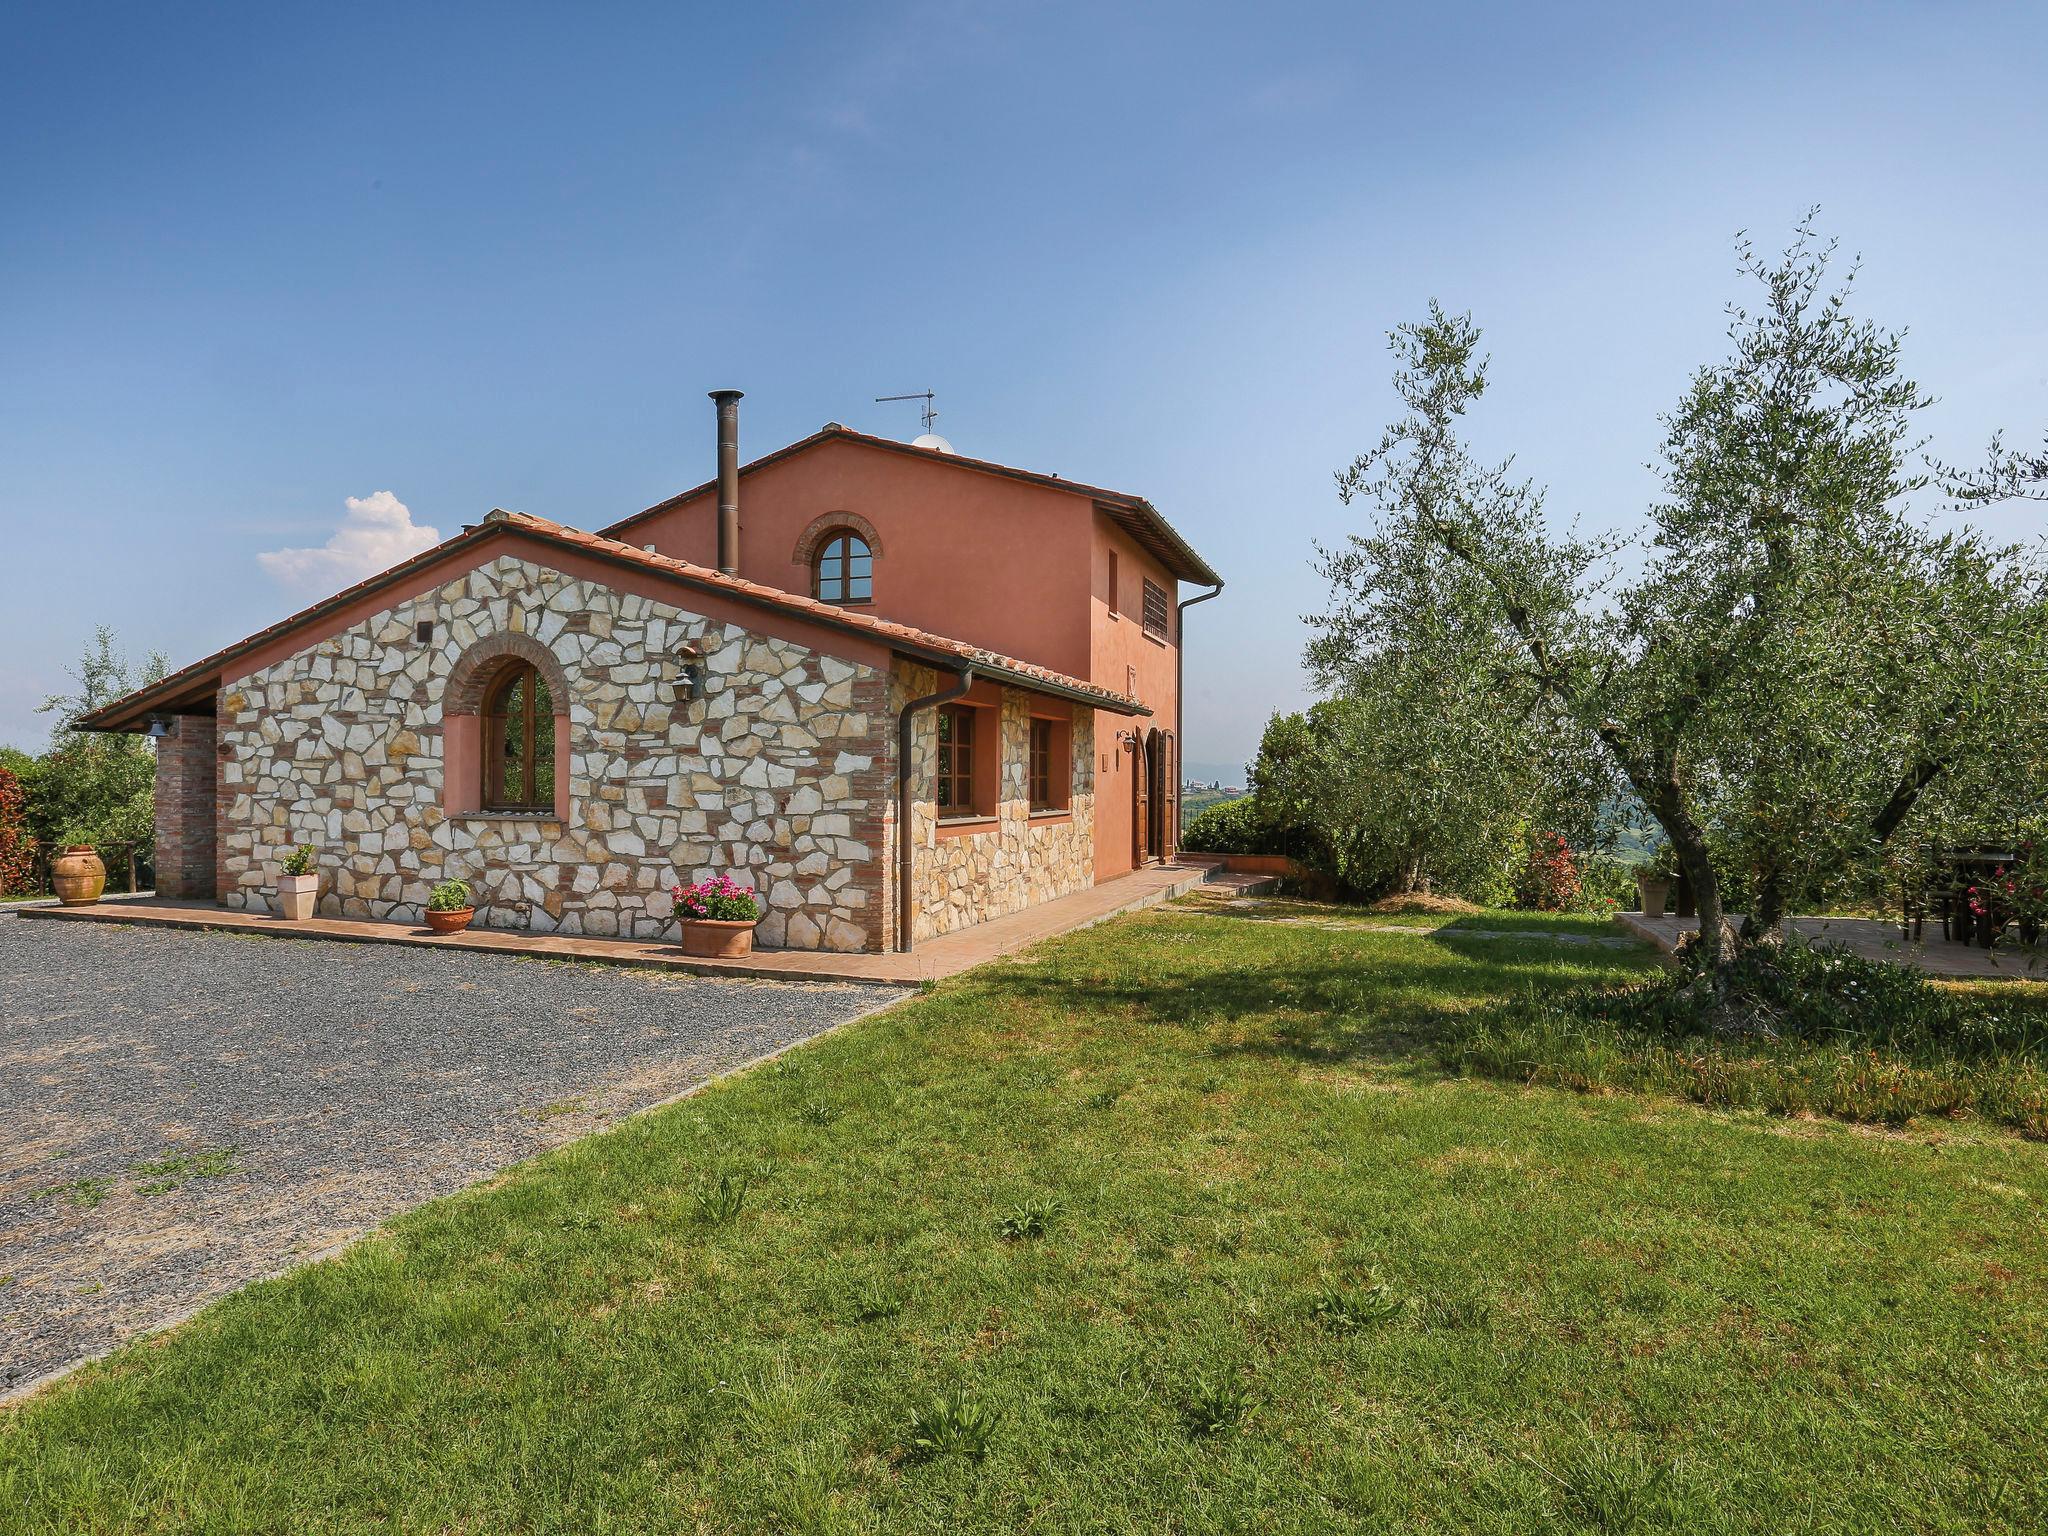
x,y
184,687
1110,703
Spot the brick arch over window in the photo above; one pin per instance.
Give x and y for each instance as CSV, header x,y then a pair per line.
x,y
479,666
475,673
835,522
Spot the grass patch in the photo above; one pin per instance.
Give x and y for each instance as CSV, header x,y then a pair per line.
x,y
1291,1276
180,1168
1824,1032
84,1193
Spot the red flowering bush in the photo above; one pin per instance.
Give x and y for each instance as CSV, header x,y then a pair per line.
x,y
721,899
2016,892
1550,881
17,853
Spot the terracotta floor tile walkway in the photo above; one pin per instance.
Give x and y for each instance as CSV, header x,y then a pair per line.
x,y
932,960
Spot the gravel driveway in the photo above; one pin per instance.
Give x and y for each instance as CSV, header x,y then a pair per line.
x,y
183,1112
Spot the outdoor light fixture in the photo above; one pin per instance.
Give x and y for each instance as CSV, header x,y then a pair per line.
x,y
690,678
158,726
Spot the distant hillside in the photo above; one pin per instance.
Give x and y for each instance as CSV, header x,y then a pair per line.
x,y
1195,801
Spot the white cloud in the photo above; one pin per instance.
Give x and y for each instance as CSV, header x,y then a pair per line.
x,y
376,532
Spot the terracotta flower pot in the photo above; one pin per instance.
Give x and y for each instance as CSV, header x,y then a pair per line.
x,y
298,896
1653,889
716,939
78,875
453,920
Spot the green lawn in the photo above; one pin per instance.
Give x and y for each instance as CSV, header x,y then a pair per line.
x,y
1436,1303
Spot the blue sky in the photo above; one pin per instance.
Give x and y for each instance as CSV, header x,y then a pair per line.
x,y
257,261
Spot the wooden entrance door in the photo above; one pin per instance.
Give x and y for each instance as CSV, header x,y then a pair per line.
x,y
1158,802
1167,753
1141,801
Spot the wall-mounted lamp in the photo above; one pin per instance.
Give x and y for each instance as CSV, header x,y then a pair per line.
x,y
690,674
1127,741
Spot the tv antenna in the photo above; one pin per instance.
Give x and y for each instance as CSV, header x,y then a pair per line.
x,y
926,396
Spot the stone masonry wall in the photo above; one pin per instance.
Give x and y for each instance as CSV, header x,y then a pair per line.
x,y
1022,860
780,775
185,846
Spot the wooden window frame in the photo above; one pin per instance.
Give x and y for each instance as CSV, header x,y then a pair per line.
x,y
955,795
525,677
1115,580
1049,766
1038,772
838,544
1158,612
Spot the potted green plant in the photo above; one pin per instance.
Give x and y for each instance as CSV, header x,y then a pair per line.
x,y
1654,879
298,888
449,908
718,917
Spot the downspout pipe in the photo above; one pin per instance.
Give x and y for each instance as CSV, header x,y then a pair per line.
x,y
1180,701
906,849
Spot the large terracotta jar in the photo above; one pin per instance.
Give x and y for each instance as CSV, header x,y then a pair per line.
x,y
78,875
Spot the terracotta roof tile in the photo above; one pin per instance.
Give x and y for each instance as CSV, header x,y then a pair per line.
x,y
184,685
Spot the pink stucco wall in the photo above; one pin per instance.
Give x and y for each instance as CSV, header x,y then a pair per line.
x,y
1124,657
1017,567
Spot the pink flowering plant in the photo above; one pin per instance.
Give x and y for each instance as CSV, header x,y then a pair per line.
x,y
720,899
2016,892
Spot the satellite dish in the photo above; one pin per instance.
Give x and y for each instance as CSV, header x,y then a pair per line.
x,y
933,441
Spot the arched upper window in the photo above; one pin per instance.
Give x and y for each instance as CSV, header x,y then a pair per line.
x,y
519,742
844,569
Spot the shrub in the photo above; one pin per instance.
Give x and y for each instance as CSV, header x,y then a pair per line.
x,y
720,899
298,862
448,896
1550,876
1233,826
17,852
1606,884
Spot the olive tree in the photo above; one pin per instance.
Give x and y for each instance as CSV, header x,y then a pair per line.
x,y
1794,660
88,786
1438,763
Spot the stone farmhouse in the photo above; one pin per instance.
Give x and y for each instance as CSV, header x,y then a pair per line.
x,y
778,674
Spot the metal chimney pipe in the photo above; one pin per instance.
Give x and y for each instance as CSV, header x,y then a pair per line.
x,y
728,402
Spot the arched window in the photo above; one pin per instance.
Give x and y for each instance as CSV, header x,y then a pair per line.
x,y
519,742
844,572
